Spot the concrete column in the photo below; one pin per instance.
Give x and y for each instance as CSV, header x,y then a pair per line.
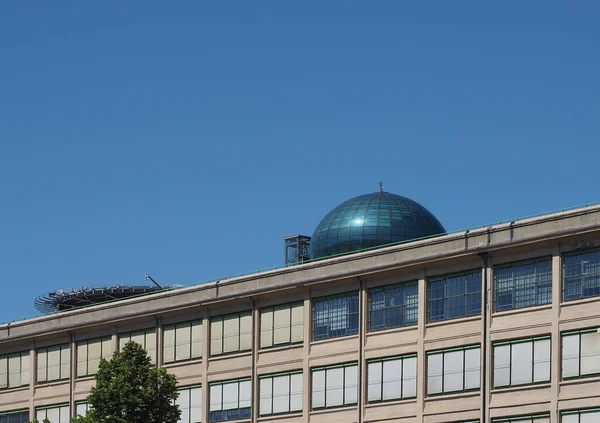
x,y
555,355
362,367
255,348
205,356
32,379
306,388
422,321
487,306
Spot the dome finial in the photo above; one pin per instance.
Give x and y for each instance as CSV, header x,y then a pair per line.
x,y
380,186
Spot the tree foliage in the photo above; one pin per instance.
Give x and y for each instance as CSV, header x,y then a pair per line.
x,y
130,389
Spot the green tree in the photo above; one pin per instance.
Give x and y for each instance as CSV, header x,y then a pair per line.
x,y
130,389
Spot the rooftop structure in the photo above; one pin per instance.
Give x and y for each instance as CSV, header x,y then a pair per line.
x,y
498,324
372,220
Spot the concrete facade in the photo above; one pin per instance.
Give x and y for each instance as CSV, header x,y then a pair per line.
x,y
481,250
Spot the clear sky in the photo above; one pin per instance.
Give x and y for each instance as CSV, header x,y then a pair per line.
x,y
186,139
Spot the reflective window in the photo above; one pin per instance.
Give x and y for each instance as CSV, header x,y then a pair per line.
x,y
21,416
455,296
231,333
146,338
453,370
334,386
522,362
281,393
282,325
392,378
53,363
54,413
335,316
581,353
230,400
581,275
190,404
89,354
182,341
82,408
14,370
393,306
538,418
524,284
591,415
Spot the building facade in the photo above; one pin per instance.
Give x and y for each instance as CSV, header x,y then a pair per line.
x,y
498,324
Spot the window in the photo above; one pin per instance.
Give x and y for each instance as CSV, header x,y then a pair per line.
x,y
334,386
21,416
230,400
182,341
580,353
539,418
335,316
282,325
453,370
14,370
82,408
232,333
392,378
53,363
581,416
581,275
146,338
281,393
522,361
455,296
89,354
55,413
524,284
393,306
190,404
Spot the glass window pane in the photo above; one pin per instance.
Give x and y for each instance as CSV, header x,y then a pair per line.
x,y
590,353
502,365
541,361
374,381
570,356
409,377
521,363
453,371
434,373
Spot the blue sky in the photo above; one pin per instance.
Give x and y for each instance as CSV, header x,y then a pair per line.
x,y
186,139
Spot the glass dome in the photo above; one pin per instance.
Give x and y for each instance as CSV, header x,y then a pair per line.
x,y
371,220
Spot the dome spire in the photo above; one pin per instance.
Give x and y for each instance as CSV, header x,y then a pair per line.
x,y
380,186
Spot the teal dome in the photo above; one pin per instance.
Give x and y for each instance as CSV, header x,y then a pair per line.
x,y
372,220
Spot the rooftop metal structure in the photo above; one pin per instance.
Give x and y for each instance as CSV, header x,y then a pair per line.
x,y
297,249
61,300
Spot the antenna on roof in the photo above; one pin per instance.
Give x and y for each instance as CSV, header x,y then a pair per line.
x,y
380,186
148,277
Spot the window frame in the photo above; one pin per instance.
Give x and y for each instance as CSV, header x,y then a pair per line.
x,y
514,286
346,315
517,341
464,372
272,309
51,407
578,332
326,369
45,349
404,307
175,326
445,298
101,340
513,419
188,389
273,376
225,382
239,333
21,411
579,412
393,358
87,407
8,356
581,275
